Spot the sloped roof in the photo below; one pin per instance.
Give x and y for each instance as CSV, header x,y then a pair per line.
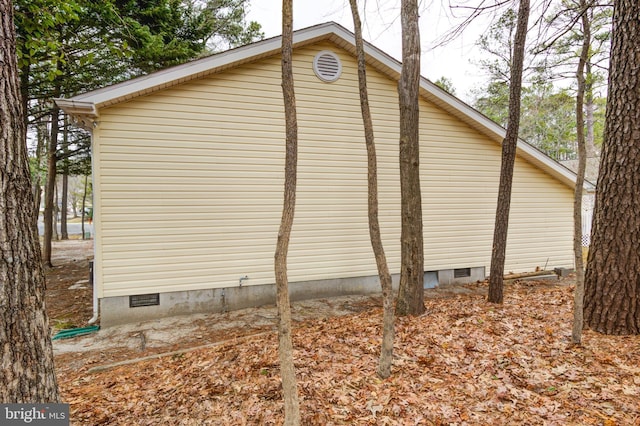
x,y
85,108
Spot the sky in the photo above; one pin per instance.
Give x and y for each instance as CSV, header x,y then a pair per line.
x,y
381,27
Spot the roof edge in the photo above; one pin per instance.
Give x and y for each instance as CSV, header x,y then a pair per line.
x,y
459,108
85,107
199,67
75,107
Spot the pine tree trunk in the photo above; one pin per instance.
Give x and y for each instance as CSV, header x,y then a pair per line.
x,y
496,274
84,206
411,292
37,190
386,350
612,281
592,151
578,299
49,207
56,210
26,354
64,233
285,344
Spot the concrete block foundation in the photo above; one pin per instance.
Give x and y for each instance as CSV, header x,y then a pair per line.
x,y
117,310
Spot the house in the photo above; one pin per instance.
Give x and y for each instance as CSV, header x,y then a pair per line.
x,y
188,168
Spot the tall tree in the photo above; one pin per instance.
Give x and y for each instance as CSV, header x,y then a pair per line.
x,y
578,298
386,350
64,232
547,118
563,47
509,144
49,206
169,32
445,84
26,354
65,48
285,344
411,292
612,280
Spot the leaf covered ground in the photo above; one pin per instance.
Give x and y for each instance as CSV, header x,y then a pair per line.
x,y
465,362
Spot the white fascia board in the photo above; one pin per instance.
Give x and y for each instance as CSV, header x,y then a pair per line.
x,y
180,73
83,114
75,107
190,70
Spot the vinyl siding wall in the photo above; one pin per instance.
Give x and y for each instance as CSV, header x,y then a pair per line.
x,y
190,185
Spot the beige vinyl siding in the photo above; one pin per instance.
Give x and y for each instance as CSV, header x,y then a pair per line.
x,y
190,182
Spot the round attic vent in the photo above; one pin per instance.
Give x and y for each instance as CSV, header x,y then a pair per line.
x,y
327,66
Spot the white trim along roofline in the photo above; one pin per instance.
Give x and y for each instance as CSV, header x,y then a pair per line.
x,y
85,108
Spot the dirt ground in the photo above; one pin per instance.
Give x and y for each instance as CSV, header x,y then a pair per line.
x,y
69,304
69,294
465,362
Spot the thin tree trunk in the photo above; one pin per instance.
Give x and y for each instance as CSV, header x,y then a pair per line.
x,y
56,210
592,151
26,354
64,233
386,350
37,195
285,344
49,208
578,299
74,199
41,133
84,204
496,278
612,279
411,291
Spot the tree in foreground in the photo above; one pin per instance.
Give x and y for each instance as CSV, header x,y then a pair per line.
x,y
578,299
285,345
386,350
612,280
411,292
26,354
509,144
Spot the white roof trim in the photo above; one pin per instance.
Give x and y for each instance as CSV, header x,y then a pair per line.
x,y
73,106
89,104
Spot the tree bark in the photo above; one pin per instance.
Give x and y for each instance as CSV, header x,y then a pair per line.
x,y
285,344
386,350
612,280
84,206
26,354
592,151
49,208
411,292
56,210
64,233
578,298
496,274
40,147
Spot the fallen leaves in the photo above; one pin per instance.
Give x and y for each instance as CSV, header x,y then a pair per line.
x,y
464,362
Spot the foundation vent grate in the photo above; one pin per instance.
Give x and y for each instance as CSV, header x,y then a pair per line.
x,y
462,273
144,300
